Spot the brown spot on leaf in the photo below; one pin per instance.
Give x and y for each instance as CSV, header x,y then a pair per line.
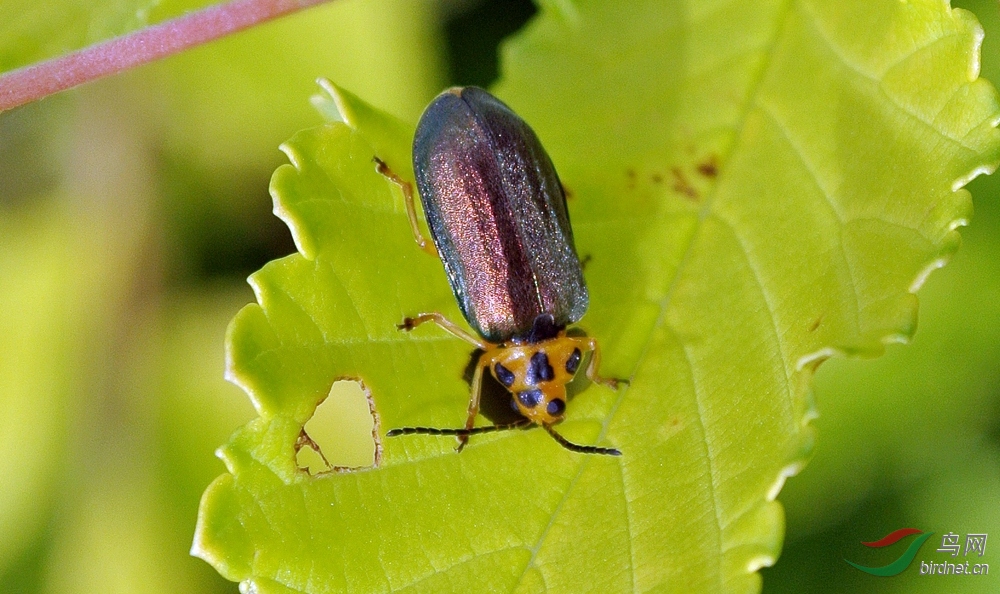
x,y
815,324
682,185
709,168
674,425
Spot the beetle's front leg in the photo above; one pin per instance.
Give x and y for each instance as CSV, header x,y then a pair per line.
x,y
411,209
445,324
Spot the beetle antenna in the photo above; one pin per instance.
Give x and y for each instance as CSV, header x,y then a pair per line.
x,y
582,449
459,432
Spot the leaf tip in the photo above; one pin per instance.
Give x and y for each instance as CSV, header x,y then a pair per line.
x,y
240,333
218,540
963,180
759,562
326,103
790,470
816,357
922,276
337,104
978,34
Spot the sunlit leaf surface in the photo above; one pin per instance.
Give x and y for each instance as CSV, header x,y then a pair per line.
x,y
759,185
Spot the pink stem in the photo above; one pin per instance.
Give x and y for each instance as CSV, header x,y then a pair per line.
x,y
30,83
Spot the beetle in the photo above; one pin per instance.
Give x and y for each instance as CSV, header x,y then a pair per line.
x,y
497,215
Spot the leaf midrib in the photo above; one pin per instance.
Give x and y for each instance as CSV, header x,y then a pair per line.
x,y
664,305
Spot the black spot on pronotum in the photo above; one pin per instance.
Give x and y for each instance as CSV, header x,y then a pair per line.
x,y
539,369
556,408
503,374
530,398
573,363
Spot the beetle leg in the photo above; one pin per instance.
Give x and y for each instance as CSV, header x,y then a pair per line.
x,y
445,324
411,210
477,386
595,362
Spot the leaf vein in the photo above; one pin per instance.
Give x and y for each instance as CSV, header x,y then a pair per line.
x,y
836,51
800,154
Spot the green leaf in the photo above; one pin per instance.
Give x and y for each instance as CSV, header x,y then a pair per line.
x,y
760,186
924,452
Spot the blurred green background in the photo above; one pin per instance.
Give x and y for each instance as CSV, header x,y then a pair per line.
x,y
132,210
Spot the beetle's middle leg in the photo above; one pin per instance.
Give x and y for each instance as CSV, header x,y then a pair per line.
x,y
474,396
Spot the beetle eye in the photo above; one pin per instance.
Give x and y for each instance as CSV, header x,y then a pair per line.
x,y
573,362
556,408
530,398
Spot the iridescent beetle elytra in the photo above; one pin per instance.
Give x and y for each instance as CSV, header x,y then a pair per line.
x,y
498,218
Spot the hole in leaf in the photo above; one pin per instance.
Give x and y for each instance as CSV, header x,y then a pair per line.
x,y
341,433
